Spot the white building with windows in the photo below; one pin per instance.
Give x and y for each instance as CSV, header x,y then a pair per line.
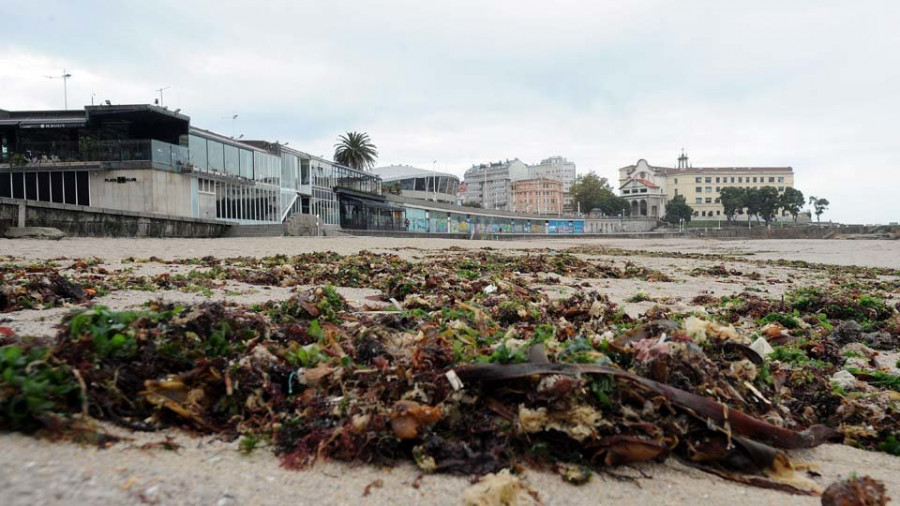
x,y
489,184
647,188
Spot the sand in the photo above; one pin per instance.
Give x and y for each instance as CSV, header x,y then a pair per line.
x,y
206,470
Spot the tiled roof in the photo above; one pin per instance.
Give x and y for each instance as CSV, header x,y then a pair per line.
x,y
648,184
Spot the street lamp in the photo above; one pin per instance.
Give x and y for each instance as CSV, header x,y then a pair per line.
x,y
234,117
65,77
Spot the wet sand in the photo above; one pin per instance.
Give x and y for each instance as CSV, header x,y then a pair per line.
x,y
207,470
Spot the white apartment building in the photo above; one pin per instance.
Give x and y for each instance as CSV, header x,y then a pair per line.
x,y
488,184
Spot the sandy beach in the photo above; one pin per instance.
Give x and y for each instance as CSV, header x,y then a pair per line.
x,y
208,470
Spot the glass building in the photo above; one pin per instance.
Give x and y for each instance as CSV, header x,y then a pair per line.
x,y
148,159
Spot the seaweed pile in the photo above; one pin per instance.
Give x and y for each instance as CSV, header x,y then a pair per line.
x,y
36,286
471,371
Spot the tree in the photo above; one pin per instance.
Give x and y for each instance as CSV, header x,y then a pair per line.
x,y
792,201
733,200
355,150
752,202
819,205
590,191
768,203
678,209
612,206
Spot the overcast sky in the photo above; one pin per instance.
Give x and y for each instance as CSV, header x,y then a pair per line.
x,y
810,84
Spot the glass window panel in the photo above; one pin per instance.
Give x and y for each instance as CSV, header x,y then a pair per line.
x,y
56,186
82,185
69,187
18,185
232,162
197,146
31,192
216,156
5,185
247,163
44,186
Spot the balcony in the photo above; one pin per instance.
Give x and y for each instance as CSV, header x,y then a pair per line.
x,y
112,154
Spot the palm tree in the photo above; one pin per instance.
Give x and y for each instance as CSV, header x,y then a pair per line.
x,y
355,150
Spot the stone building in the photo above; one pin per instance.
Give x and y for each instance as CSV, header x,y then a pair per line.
x,y
647,188
541,196
556,167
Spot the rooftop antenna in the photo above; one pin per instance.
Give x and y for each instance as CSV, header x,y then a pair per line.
x,y
65,77
160,91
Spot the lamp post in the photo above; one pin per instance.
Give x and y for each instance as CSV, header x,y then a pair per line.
x,y
233,118
65,77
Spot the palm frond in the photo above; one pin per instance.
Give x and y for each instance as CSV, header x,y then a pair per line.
x,y
355,150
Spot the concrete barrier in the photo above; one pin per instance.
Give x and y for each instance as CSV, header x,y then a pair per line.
x,y
88,221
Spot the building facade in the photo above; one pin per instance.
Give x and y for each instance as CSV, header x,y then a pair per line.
x,y
419,183
645,186
488,184
144,158
556,167
539,196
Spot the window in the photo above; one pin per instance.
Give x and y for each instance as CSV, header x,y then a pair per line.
x,y
732,179
709,180
699,189
709,189
197,147
781,188
676,192
232,160
771,179
718,212
246,161
740,180
676,180
718,189
718,200
31,191
216,156
709,200
626,192
698,200
5,185
754,179
780,179
697,180
69,187
717,180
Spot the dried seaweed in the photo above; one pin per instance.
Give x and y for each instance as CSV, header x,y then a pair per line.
x,y
471,370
